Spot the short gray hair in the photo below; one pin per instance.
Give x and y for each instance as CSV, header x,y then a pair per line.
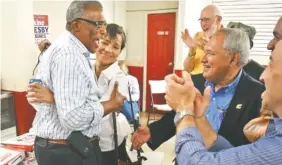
x,y
237,41
76,10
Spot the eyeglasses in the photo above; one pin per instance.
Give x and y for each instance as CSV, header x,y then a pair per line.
x,y
206,19
98,24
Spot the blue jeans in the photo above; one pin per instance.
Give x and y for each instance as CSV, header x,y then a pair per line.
x,y
126,110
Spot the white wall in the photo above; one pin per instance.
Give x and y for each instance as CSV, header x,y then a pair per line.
x,y
18,47
120,19
151,5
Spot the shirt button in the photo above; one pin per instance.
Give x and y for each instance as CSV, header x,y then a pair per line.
x,y
213,98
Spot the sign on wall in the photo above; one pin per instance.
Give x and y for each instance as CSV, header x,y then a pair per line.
x,y
41,27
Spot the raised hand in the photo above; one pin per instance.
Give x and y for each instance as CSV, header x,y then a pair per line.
x,y
180,93
116,98
187,39
140,136
201,42
201,103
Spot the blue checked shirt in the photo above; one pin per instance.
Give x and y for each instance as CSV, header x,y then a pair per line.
x,y
66,70
190,149
219,102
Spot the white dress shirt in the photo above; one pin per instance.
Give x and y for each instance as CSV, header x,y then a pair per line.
x,y
134,88
105,84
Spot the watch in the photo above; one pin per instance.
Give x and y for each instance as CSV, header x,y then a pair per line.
x,y
180,114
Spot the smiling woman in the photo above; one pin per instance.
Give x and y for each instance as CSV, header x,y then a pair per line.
x,y
111,45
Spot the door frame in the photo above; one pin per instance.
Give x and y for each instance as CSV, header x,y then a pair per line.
x,y
145,48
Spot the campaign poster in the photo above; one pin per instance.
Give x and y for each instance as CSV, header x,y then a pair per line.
x,y
41,27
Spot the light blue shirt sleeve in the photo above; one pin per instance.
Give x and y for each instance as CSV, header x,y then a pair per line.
x,y
220,144
190,150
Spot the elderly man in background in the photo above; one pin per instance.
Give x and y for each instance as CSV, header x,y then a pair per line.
x,y
211,18
235,96
198,143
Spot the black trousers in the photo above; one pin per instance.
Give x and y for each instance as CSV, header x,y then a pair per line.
x,y
55,154
62,154
109,157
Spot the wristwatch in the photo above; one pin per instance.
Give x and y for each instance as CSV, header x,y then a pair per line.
x,y
180,114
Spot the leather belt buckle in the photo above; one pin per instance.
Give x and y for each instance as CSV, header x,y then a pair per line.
x,y
57,141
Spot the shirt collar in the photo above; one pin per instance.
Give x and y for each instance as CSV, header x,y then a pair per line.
x,y
232,85
278,125
111,71
81,48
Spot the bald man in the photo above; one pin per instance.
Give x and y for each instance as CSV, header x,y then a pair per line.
x,y
210,20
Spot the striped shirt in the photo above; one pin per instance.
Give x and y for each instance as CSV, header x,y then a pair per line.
x,y
66,70
190,149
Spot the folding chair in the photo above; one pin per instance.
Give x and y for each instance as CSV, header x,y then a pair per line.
x,y
157,87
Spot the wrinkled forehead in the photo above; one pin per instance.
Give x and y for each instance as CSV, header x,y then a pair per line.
x,y
206,13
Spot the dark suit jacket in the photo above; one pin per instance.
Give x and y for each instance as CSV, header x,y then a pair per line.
x,y
254,69
247,93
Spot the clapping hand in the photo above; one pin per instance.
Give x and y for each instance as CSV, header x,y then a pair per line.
x,y
181,92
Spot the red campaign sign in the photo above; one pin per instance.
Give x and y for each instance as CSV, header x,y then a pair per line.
x,y
41,27
40,20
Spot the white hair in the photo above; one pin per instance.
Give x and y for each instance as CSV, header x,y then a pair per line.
x,y
237,41
77,8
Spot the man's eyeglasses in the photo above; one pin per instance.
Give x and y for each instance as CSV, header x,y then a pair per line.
x,y
98,24
206,19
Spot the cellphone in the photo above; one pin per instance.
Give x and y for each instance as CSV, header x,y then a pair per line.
x,y
34,80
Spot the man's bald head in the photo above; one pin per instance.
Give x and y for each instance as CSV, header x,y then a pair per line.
x,y
211,17
211,10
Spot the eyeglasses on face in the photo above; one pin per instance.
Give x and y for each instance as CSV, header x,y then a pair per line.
x,y
206,19
97,24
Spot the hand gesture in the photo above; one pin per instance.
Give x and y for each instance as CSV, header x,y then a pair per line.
x,y
36,93
116,98
141,136
201,42
201,103
43,44
187,39
181,92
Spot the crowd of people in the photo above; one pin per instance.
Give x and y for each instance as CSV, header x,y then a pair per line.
x,y
226,107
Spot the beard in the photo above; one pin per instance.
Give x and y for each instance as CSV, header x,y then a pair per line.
x,y
211,31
